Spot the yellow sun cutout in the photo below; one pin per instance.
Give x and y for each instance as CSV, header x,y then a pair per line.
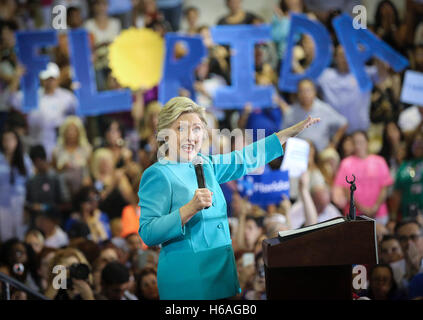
x,y
136,58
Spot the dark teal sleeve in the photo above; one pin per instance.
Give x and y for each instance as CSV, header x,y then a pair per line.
x,y
234,165
157,223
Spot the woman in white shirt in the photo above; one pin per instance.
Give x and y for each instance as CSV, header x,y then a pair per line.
x,y
104,28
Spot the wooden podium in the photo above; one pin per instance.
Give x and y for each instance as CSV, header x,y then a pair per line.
x,y
317,264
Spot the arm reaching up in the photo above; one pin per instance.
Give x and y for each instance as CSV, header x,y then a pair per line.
x,y
310,212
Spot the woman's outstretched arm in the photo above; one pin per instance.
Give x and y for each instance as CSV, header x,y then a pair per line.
x,y
234,165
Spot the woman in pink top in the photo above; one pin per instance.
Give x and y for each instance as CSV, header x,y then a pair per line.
x,y
372,181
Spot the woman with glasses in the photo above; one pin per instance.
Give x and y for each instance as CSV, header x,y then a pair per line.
x,y
382,285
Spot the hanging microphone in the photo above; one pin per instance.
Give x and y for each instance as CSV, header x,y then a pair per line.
x,y
199,172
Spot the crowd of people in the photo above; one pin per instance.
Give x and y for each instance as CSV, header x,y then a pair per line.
x,y
69,184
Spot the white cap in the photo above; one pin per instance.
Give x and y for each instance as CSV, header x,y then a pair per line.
x,y
52,71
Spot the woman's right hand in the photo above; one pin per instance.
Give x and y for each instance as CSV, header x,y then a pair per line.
x,y
202,199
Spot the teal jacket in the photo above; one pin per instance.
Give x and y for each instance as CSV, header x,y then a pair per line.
x,y
196,260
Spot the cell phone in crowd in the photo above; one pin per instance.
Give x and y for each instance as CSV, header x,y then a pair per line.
x,y
247,259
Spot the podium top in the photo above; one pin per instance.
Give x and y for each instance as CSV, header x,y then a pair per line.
x,y
324,244
324,224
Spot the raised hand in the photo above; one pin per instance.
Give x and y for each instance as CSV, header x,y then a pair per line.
x,y
248,108
278,11
296,129
285,205
304,182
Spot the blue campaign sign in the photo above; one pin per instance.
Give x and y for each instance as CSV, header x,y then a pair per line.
x,y
360,45
266,188
301,24
412,88
91,102
27,45
241,39
179,73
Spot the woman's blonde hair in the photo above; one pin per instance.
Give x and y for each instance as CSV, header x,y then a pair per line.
x,y
329,153
174,108
62,254
82,136
100,154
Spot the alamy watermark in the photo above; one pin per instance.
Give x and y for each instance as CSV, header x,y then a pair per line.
x,y
59,17
60,281
217,142
360,17
359,277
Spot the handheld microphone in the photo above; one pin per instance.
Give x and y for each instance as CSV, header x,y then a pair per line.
x,y
199,172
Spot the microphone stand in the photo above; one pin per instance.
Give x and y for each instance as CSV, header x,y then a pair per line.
x,y
351,214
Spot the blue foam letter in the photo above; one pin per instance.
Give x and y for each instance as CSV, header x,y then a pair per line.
x,y
243,88
350,38
179,73
27,43
288,81
91,102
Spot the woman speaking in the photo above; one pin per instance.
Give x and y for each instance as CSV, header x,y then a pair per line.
x,y
196,258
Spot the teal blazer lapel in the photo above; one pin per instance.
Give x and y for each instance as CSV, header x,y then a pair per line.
x,y
179,172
